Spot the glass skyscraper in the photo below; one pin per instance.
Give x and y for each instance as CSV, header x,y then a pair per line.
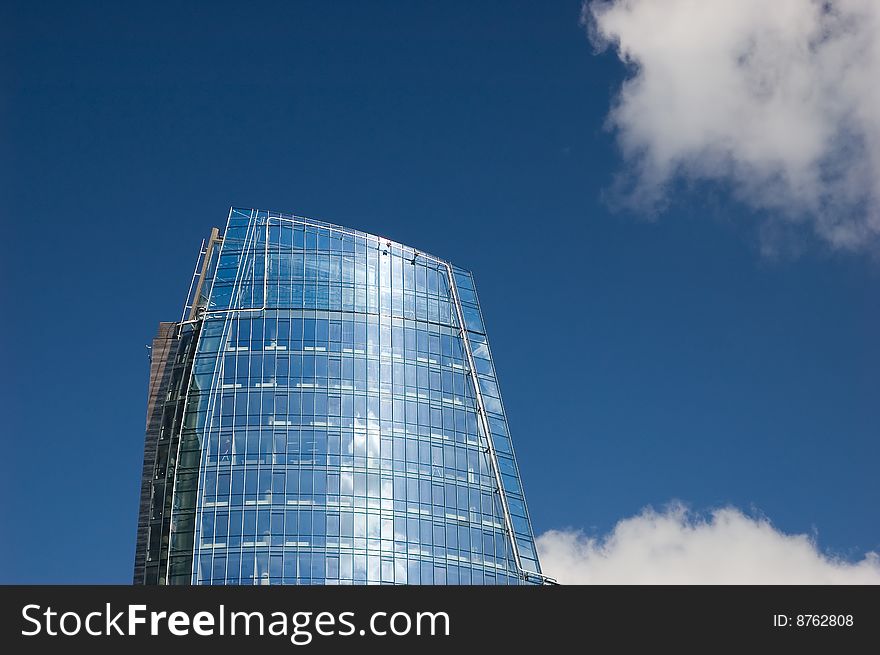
x,y
326,412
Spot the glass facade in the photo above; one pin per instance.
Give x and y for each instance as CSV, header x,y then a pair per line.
x,y
327,412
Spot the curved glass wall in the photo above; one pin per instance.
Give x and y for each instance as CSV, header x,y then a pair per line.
x,y
342,426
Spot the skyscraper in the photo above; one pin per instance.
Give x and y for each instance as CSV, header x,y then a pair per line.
x,y
326,412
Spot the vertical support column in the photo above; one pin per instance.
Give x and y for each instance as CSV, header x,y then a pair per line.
x,y
212,241
484,419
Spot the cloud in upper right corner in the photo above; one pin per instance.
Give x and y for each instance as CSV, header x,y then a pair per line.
x,y
778,101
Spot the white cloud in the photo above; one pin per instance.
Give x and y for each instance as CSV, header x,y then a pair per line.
x,y
678,547
778,99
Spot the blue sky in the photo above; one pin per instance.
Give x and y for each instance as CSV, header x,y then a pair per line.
x,y
641,361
